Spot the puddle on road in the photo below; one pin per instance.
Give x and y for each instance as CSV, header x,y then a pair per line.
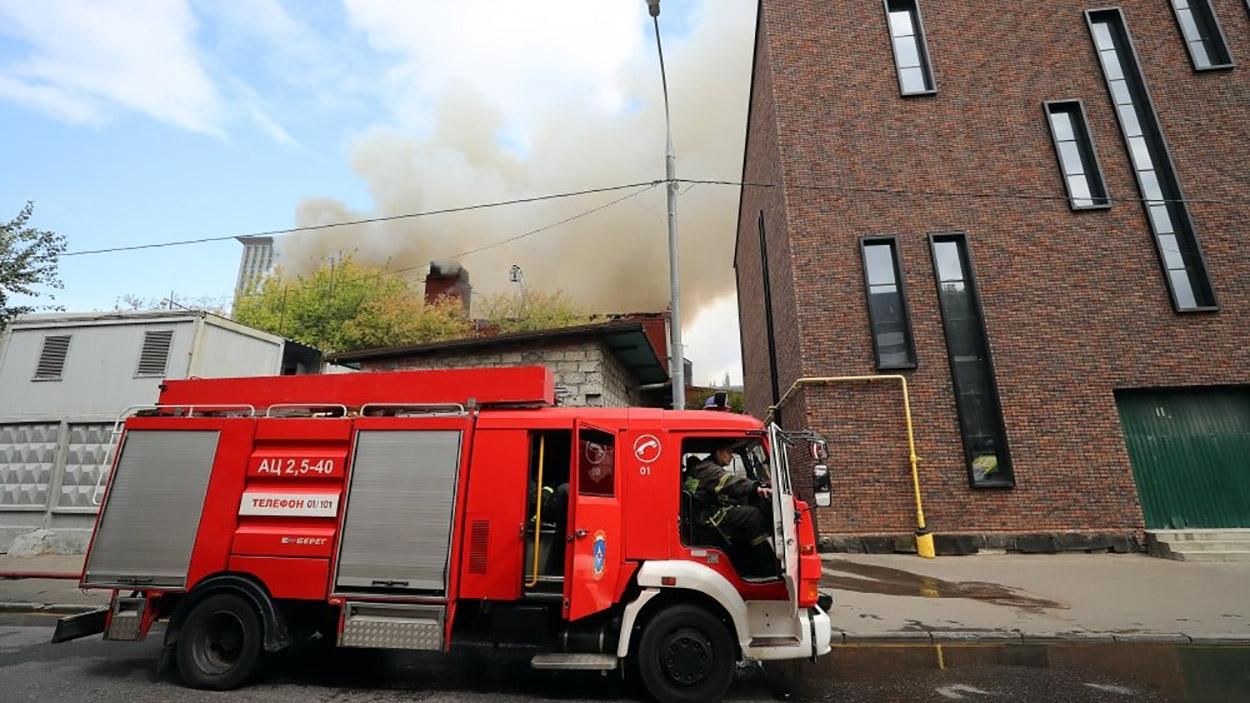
x,y
869,578
1153,672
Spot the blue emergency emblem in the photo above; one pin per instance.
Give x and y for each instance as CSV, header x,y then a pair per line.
x,y
599,550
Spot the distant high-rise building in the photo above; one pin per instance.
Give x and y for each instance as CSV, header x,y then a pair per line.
x,y
257,260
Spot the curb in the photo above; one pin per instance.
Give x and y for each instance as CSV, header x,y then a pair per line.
x,y
925,637
46,608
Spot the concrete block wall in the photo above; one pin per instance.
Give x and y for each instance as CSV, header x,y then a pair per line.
x,y
586,372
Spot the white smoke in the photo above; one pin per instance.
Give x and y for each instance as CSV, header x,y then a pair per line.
x,y
558,140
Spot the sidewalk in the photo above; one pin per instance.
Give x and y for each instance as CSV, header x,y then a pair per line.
x,y
1085,597
46,595
1000,598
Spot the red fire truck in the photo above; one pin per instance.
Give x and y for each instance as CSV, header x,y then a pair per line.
x,y
417,510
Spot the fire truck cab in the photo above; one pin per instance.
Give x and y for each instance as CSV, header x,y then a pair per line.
x,y
425,509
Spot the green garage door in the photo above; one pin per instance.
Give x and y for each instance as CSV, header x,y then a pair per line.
x,y
1190,451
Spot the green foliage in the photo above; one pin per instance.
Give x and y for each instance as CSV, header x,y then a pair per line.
x,y
529,311
345,306
28,262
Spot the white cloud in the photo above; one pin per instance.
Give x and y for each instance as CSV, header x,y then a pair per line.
x,y
88,56
64,106
521,54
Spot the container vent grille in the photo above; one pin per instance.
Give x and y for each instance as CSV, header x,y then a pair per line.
x,y
52,357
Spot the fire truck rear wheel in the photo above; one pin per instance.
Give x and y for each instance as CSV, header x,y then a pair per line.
x,y
219,647
686,655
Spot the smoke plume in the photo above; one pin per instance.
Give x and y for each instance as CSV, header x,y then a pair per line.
x,y
615,260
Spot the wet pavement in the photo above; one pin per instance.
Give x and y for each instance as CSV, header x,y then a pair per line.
x,y
31,669
871,578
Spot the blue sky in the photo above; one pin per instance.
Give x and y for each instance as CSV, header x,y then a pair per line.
x,y
140,121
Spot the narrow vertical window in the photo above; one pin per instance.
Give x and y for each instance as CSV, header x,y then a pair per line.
x,y
887,305
911,51
768,312
1179,252
1202,34
1078,162
972,371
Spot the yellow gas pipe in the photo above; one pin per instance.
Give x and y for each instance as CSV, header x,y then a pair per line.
x,y
924,539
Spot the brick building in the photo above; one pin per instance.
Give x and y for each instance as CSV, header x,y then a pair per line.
x,y
1036,212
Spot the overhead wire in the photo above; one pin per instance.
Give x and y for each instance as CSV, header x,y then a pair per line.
x,y
641,188
690,182
905,192
365,221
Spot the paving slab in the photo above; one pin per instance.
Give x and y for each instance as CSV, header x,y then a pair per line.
x,y
1080,597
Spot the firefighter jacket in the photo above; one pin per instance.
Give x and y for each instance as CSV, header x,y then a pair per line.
x,y
716,488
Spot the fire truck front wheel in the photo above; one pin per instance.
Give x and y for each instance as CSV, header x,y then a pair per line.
x,y
686,655
219,647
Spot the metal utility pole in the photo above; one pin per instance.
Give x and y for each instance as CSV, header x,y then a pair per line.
x,y
677,363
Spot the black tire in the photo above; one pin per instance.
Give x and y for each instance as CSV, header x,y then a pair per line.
x,y
219,645
686,655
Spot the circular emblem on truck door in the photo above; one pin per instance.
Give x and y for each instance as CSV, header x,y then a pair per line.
x,y
647,448
599,550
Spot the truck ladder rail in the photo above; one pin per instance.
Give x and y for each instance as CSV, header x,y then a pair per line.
x,y
119,426
340,408
421,409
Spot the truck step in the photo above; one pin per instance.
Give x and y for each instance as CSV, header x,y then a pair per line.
x,y
392,626
574,662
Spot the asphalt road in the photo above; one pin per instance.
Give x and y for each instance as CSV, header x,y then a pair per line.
x,y
33,670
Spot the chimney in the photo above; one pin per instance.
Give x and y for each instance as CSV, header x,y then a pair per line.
x,y
448,278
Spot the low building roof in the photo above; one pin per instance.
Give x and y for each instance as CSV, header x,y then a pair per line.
x,y
626,339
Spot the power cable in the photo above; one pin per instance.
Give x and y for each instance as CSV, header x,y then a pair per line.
x,y
950,194
366,221
642,188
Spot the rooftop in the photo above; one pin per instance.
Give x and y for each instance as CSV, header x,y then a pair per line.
x,y
626,339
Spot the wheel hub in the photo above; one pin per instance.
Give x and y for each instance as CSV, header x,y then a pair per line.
x,y
220,643
686,656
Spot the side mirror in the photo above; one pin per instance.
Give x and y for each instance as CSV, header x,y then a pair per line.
x,y
822,486
819,449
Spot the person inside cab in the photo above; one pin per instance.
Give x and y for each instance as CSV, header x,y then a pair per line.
x,y
737,507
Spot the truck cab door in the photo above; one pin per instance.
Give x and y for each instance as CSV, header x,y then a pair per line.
x,y
785,527
593,556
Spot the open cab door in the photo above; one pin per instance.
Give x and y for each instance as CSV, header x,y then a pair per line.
x,y
593,557
785,524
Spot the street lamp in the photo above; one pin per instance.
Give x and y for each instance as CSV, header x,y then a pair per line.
x,y
677,365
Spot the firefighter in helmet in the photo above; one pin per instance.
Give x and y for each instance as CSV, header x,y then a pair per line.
x,y
731,503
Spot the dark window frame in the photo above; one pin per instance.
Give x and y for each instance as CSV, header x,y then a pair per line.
x,y
1213,24
768,312
1100,200
922,46
896,258
1153,134
1007,471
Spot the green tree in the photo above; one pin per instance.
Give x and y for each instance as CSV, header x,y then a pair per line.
x,y
28,262
345,305
528,311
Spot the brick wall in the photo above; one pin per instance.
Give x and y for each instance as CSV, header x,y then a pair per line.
x,y
1075,304
586,372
